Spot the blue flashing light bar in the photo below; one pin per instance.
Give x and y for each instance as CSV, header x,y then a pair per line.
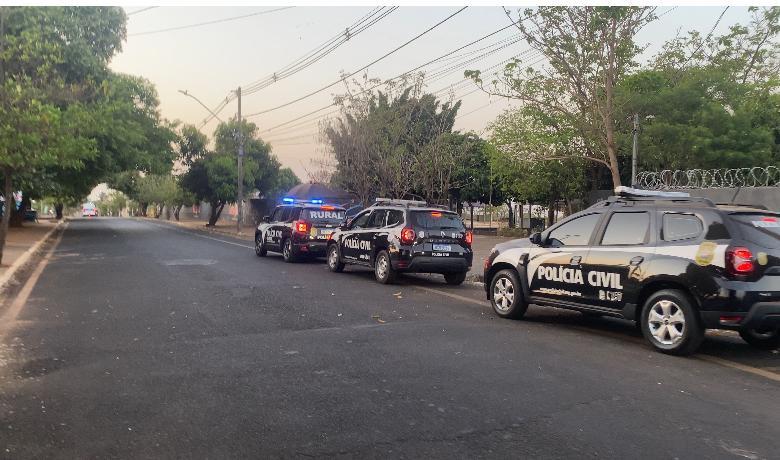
x,y
288,200
316,201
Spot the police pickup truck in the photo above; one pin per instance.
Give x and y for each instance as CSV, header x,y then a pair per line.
x,y
675,264
393,236
298,229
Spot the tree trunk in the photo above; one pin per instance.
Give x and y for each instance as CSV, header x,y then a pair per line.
x,y
216,210
58,210
17,215
522,211
7,192
471,211
550,214
511,214
176,211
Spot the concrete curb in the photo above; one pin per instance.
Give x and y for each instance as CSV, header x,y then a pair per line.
x,y
24,258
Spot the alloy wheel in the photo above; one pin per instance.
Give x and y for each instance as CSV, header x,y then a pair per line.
x,y
503,293
666,322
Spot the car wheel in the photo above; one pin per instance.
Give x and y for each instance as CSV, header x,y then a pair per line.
x,y
765,340
260,250
334,264
383,269
287,251
671,324
506,295
455,279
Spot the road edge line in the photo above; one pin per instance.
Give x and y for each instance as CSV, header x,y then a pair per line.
x,y
10,315
24,258
742,367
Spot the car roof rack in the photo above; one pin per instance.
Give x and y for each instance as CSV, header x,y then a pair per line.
x,y
744,205
395,202
629,194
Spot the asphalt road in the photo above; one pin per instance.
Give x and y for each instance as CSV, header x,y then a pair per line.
x,y
140,340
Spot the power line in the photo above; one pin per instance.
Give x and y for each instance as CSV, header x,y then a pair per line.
x,y
306,96
217,21
309,58
142,10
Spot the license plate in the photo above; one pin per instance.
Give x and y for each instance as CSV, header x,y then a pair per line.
x,y
442,247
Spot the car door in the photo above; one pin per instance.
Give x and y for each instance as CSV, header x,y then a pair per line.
x,y
351,238
557,269
373,232
273,232
619,258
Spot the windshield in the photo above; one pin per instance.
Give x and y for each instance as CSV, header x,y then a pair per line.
x,y
437,220
762,229
323,216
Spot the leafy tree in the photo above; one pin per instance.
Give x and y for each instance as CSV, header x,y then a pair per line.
x,y
191,145
50,59
589,50
389,143
214,177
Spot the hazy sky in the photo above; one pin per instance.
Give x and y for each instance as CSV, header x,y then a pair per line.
x,y
211,60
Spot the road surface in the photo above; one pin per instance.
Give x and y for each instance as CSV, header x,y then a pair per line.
x,y
140,339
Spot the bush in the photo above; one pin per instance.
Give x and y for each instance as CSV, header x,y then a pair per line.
x,y
513,232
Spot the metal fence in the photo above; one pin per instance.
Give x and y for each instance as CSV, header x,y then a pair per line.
x,y
768,176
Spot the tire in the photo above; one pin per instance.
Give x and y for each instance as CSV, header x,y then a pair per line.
x,y
455,279
383,269
671,324
334,264
288,254
769,340
260,249
506,295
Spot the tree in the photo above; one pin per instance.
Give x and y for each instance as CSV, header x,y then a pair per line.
x,y
709,102
191,145
214,176
589,50
388,142
50,58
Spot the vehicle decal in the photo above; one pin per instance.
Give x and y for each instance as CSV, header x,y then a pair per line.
x,y
354,243
706,253
762,258
271,234
556,291
595,278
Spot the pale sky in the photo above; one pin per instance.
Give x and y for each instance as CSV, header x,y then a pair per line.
x,y
211,60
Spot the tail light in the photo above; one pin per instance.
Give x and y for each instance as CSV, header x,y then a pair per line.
x,y
469,237
301,226
407,236
739,261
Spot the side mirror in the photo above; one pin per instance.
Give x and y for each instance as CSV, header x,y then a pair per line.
x,y
267,219
536,238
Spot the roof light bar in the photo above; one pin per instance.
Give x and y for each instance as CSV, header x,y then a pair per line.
x,y
630,191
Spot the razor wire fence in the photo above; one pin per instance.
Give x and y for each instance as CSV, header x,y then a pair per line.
x,y
767,176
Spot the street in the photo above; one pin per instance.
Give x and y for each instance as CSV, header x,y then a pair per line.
x,y
143,339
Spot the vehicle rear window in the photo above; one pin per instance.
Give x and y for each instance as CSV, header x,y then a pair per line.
x,y
324,216
437,220
762,229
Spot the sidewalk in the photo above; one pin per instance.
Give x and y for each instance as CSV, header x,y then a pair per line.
x,y
18,242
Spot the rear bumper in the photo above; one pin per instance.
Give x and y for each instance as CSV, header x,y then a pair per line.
x,y
761,316
314,248
428,264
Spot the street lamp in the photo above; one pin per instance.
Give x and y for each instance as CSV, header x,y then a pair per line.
x,y
184,92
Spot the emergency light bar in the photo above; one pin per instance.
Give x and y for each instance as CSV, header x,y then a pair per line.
x,y
407,203
290,200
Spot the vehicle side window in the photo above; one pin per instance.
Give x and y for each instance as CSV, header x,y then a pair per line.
x,y
377,219
360,221
681,227
394,217
284,214
576,232
277,214
294,214
626,228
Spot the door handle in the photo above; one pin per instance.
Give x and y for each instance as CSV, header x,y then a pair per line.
x,y
636,261
575,260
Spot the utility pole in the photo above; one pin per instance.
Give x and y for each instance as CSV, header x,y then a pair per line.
x,y
240,200
634,151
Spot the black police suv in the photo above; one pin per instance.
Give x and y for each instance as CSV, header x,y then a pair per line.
x,y
676,265
298,229
394,236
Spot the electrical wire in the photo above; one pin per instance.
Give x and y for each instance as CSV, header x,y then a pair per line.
x,y
308,95
142,10
217,21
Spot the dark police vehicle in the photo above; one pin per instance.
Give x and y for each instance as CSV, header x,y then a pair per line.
x,y
393,236
676,265
298,229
